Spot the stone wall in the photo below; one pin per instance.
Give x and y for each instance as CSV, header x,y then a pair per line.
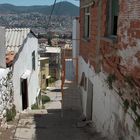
x,y
6,95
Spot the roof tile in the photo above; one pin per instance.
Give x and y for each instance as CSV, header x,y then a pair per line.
x,y
15,38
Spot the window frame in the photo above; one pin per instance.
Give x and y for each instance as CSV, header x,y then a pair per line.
x,y
110,18
87,20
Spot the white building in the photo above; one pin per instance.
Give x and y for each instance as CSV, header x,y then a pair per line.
x,y
75,37
22,56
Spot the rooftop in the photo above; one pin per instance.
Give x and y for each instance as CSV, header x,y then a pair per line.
x,y
43,58
53,50
15,38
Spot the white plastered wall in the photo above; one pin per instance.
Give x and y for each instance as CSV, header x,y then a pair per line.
x,y
108,109
23,64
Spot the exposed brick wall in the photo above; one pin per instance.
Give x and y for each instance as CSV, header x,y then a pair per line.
x,y
121,57
87,47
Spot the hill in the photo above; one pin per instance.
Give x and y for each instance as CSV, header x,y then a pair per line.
x,y
61,8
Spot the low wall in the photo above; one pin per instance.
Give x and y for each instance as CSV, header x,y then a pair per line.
x,y
6,93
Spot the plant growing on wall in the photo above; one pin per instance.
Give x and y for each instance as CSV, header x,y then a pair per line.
x,y
137,121
126,105
11,113
129,80
110,79
134,106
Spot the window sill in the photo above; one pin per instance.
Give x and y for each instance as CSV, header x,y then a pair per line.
x,y
85,39
110,39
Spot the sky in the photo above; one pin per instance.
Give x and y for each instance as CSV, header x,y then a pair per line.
x,y
35,2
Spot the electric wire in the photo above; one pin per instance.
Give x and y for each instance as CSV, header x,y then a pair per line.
x,y
51,13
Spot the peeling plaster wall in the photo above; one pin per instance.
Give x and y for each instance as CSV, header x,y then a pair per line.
x,y
108,111
119,57
6,93
129,35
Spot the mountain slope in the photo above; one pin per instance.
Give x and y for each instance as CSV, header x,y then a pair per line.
x,y
61,8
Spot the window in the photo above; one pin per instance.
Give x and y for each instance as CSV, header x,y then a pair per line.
x,y
87,22
112,19
33,60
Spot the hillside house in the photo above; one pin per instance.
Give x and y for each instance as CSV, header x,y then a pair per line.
x,y
54,55
22,57
44,72
109,66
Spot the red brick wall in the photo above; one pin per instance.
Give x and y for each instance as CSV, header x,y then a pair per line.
x,y
87,47
128,33
122,57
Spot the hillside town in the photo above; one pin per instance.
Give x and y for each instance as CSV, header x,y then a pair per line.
x,y
37,22
71,77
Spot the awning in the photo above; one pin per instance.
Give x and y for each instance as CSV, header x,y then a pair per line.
x,y
26,74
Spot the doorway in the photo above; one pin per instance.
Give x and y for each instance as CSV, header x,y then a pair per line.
x,y
89,101
24,92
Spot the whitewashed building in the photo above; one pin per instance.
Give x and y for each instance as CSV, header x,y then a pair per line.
x,y
75,37
22,56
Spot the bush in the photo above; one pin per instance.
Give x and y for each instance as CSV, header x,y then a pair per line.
x,y
45,99
35,106
51,80
110,79
10,113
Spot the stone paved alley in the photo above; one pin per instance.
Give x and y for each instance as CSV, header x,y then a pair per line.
x,y
55,123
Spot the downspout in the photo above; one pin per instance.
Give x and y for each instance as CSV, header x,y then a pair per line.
x,y
99,29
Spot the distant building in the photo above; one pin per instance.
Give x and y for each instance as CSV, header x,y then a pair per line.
x,y
22,56
44,72
66,51
54,55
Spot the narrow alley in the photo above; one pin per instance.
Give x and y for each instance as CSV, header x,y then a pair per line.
x,y
56,121
70,70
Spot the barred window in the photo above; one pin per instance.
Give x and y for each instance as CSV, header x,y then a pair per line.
x,y
87,22
112,17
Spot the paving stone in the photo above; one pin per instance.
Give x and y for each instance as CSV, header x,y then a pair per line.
x,y
58,121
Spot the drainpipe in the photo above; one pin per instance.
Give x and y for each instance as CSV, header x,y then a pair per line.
x,y
99,29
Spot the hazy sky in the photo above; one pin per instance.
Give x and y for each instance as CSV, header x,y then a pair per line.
x,y
36,2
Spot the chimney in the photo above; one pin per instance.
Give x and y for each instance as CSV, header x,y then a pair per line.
x,y
2,48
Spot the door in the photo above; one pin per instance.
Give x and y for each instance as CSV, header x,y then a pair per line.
x,y
89,101
24,92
